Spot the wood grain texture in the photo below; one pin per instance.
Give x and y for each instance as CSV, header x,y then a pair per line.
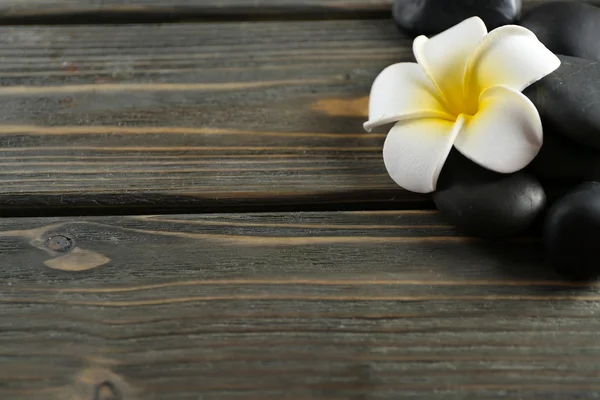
x,y
202,116
86,11
363,305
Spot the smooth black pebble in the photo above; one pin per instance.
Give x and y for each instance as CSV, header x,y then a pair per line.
x,y
426,17
487,204
565,162
568,100
571,28
572,233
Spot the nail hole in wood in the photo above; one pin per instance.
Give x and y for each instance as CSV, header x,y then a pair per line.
x,y
59,243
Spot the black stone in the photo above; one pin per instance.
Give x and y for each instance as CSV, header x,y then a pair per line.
x,y
568,101
572,233
427,17
487,204
565,162
571,28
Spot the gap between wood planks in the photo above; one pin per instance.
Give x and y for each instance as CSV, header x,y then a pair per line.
x,y
204,207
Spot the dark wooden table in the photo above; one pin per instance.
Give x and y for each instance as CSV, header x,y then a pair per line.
x,y
192,211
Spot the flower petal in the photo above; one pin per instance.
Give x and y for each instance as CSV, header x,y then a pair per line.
x,y
445,56
416,150
506,133
511,56
403,91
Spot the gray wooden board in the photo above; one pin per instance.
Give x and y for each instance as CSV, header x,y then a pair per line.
x,y
362,305
76,11
202,115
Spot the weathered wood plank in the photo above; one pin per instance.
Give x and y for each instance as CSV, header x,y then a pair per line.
x,y
79,11
373,305
193,115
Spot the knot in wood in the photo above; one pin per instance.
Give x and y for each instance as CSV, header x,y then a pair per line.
x,y
99,384
59,243
107,391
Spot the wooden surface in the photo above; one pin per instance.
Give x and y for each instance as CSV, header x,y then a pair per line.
x,y
362,305
193,115
89,11
242,128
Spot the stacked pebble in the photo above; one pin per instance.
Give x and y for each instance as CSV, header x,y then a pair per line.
x,y
488,204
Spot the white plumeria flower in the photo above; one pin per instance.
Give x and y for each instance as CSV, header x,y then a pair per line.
x,y
465,91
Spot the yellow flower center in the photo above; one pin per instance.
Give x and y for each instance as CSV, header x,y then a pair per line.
x,y
460,101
